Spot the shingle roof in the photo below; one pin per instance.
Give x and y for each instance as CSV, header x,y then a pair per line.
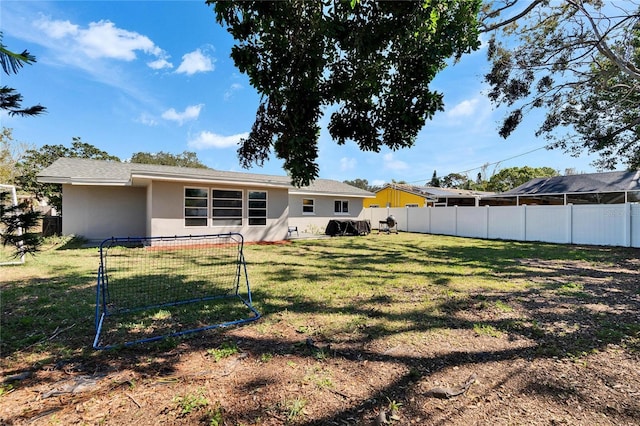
x,y
330,187
592,182
98,172
432,191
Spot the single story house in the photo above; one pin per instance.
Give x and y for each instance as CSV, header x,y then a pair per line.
x,y
589,188
101,199
403,195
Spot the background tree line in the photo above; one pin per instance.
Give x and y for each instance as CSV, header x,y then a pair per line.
x,y
502,181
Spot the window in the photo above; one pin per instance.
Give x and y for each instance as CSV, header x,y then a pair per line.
x,y
341,206
227,207
308,206
257,208
374,206
411,205
196,206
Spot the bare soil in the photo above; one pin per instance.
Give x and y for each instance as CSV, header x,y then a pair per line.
x,y
571,359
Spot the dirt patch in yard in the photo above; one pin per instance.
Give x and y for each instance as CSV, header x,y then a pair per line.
x,y
565,352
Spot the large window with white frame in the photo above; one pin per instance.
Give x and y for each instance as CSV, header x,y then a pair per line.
x,y
257,208
226,207
196,206
341,207
308,206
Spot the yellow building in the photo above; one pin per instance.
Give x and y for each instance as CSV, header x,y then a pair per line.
x,y
395,195
400,195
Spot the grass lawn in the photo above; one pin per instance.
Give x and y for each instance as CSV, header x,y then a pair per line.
x,y
431,294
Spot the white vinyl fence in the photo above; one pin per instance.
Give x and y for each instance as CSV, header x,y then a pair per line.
x,y
597,224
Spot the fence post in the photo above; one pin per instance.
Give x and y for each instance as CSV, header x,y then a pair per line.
x,y
406,214
424,219
455,222
569,222
486,223
627,224
523,222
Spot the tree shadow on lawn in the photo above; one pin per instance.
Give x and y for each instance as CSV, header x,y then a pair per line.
x,y
552,335
567,313
49,316
567,308
511,263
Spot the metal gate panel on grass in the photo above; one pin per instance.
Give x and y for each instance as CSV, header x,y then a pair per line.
x,y
151,288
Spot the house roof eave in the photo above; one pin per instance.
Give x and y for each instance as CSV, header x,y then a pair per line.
x,y
208,180
83,182
299,191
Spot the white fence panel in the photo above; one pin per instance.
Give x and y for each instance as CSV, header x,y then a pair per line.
x,y
505,223
634,224
607,224
400,213
443,220
548,223
418,219
472,222
598,224
375,215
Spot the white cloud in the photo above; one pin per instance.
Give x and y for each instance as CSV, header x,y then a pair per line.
x,y
192,112
472,114
465,108
205,140
99,40
378,182
57,29
231,90
104,40
147,120
347,163
160,64
194,62
392,164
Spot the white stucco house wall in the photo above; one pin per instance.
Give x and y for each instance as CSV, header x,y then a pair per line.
x,y
103,199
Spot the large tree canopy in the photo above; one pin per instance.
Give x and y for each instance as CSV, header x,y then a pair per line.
x,y
11,151
456,180
186,159
579,61
362,184
501,181
372,62
513,177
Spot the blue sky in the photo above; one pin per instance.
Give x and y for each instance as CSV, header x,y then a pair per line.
x,y
131,76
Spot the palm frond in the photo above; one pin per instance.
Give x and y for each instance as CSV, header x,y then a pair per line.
x,y
10,61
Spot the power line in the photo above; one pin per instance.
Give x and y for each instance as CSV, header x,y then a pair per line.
x,y
491,164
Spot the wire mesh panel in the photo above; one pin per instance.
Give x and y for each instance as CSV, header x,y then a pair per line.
x,y
151,288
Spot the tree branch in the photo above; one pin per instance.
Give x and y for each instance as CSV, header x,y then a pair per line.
x,y
525,12
602,46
